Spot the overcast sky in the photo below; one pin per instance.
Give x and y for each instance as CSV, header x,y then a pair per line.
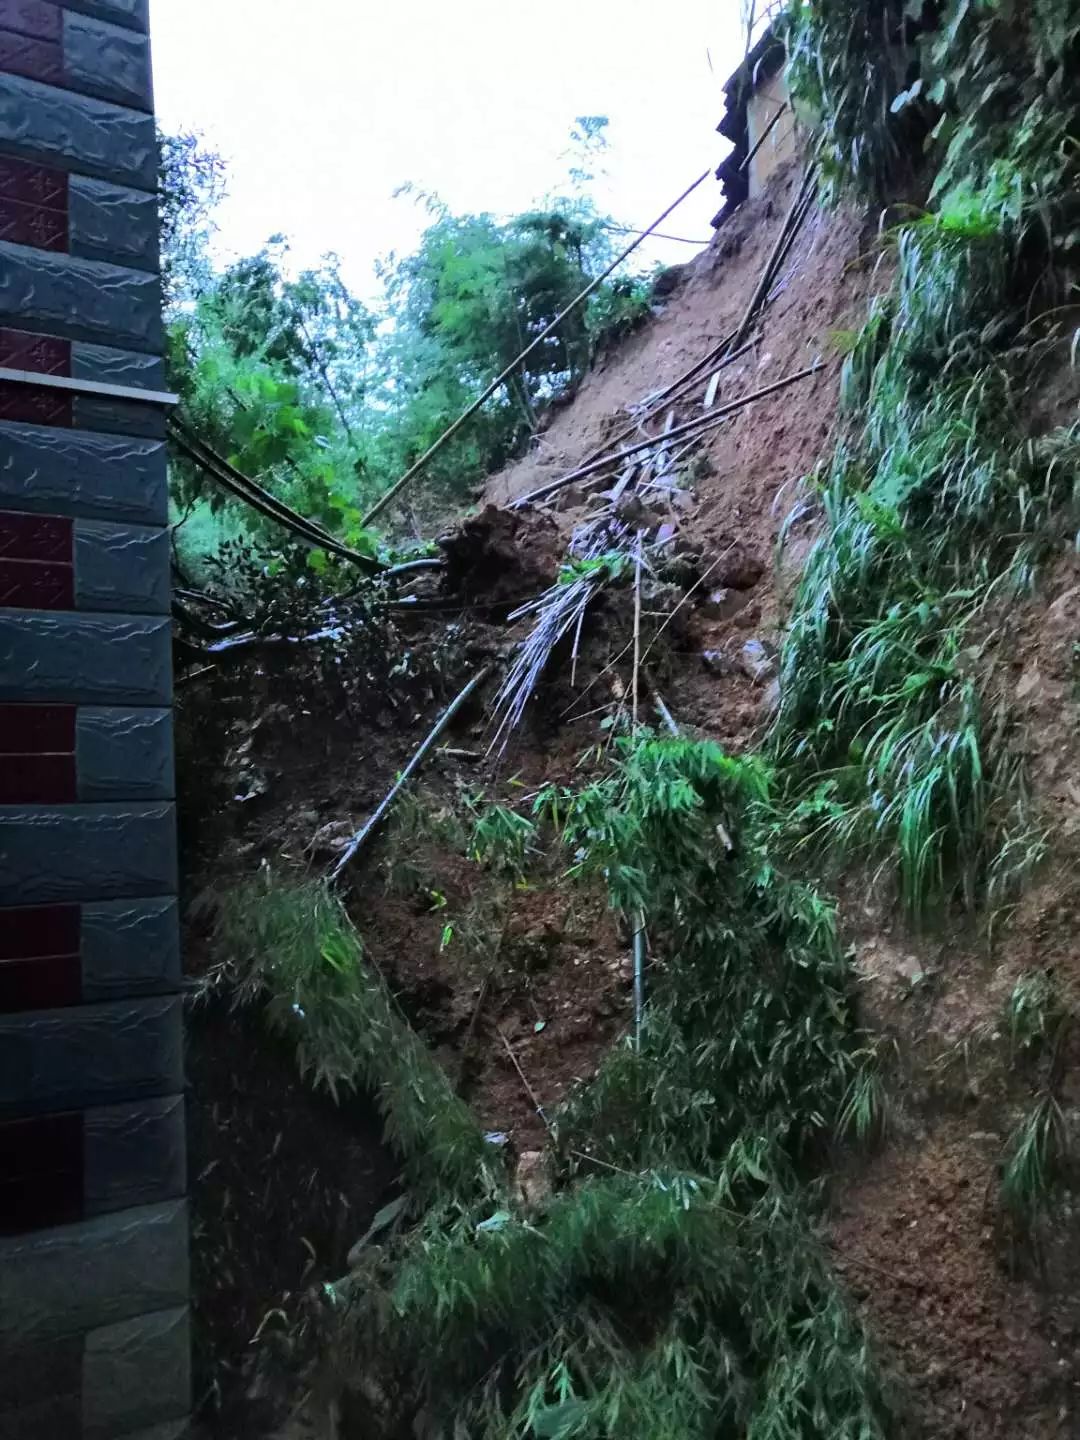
x,y
322,108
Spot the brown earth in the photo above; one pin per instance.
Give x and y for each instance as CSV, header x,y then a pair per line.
x,y
980,1343
973,1353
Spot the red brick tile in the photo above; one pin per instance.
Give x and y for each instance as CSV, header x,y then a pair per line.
x,y
35,405
35,59
36,730
26,350
27,931
48,983
33,225
39,18
37,185
36,585
36,537
42,1179
38,780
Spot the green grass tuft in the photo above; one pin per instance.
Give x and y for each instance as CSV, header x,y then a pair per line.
x,y
1034,1014
1036,1156
291,948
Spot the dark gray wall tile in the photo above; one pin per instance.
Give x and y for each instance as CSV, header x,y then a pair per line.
x,y
130,947
89,1055
124,754
54,1369
121,567
134,13
119,417
113,222
79,1277
133,1155
86,852
77,132
136,1372
117,367
88,659
81,299
68,472
110,61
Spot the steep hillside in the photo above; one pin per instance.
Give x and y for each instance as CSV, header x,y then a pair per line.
x,y
721,1020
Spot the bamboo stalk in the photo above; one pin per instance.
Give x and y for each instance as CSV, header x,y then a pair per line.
x,y
525,1081
639,977
769,128
687,381
699,425
761,289
501,379
414,764
637,627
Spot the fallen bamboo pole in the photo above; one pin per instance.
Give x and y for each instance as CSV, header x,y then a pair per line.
x,y
700,424
769,128
637,625
414,764
761,289
674,391
639,977
525,1081
501,379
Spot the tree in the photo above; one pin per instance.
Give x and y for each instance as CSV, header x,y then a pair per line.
x,y
325,401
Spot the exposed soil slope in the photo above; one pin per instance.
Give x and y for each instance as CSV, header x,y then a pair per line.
x,y
491,974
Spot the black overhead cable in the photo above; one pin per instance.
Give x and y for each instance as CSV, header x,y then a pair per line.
x,y
258,498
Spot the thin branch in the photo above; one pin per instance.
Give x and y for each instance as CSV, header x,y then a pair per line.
x,y
325,373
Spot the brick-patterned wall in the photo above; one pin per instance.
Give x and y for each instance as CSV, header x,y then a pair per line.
x,y
93,1226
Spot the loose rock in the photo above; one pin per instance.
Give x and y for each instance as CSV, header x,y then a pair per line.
x,y
758,660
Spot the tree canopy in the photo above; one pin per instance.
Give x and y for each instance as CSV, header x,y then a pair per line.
x,y
326,398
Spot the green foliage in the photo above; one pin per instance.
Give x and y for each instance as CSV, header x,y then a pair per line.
x,y
419,826
605,569
502,839
1034,1013
477,291
191,182
864,1114
327,401
983,89
941,495
847,66
290,947
748,1045
509,1328
1036,1156
272,374
679,1293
